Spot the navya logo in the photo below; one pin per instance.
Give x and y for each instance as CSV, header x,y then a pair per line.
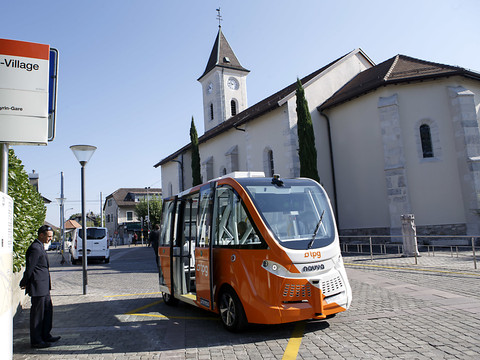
x,y
313,268
313,254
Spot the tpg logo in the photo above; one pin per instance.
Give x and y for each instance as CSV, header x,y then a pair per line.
x,y
202,269
313,254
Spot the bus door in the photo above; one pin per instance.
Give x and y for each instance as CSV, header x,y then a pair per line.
x,y
164,246
187,245
203,255
178,279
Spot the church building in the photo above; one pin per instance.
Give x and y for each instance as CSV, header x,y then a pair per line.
x,y
400,137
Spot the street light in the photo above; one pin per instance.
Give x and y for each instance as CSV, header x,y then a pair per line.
x,y
83,153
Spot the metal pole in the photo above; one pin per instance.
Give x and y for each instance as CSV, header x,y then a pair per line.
x,y
371,250
473,250
101,210
148,211
62,218
4,168
84,236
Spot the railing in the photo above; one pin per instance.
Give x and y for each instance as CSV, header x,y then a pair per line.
x,y
381,245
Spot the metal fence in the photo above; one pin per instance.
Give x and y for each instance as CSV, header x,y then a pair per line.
x,y
382,245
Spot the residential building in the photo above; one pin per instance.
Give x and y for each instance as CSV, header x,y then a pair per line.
x,y
119,209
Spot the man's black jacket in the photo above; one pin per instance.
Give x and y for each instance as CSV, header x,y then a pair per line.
x,y
36,278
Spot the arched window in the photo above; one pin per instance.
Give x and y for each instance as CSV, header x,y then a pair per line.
x,y
233,107
426,139
211,111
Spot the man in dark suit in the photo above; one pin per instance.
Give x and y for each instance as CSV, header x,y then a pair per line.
x,y
36,281
154,239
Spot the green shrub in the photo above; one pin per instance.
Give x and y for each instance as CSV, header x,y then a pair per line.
x,y
28,210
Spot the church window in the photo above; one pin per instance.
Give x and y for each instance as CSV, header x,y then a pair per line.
x,y
426,139
211,111
233,107
268,163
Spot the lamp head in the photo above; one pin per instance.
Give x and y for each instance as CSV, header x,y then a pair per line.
x,y
83,153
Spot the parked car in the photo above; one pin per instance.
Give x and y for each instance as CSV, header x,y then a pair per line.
x,y
55,245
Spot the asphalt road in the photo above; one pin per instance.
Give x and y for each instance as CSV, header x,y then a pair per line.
x,y
400,311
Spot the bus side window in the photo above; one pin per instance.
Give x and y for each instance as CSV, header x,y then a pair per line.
x,y
166,223
232,226
204,216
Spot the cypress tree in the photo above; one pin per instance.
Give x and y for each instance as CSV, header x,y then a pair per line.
x,y
307,152
196,175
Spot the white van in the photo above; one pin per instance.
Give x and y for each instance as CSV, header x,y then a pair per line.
x,y
98,247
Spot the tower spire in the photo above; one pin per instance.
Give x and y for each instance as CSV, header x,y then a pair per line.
x,y
219,18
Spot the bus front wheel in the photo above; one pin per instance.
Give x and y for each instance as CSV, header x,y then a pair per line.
x,y
231,311
169,299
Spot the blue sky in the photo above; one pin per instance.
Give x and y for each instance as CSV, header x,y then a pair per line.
x,y
128,69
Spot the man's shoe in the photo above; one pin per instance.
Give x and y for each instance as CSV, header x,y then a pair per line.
x,y
41,345
53,339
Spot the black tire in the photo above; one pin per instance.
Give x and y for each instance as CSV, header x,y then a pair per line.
x,y
169,299
231,311
107,260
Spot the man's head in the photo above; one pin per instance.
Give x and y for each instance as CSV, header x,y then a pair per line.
x,y
45,234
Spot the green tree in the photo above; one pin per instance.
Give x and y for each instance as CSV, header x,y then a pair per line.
x,y
196,175
155,206
28,209
307,152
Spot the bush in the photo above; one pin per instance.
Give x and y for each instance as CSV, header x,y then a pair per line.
x,y
28,210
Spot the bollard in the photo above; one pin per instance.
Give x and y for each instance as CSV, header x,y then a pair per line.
x,y
409,234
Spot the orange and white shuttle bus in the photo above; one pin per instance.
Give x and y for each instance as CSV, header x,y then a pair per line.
x,y
254,250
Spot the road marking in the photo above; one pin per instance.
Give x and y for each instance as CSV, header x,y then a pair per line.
x,y
175,317
413,269
152,293
143,307
137,312
291,351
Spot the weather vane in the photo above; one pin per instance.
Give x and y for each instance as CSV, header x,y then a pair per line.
x,y
219,18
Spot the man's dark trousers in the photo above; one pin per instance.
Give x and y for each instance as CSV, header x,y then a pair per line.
x,y
41,318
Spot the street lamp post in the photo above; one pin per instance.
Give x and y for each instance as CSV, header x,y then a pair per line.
x,y
83,153
61,202
148,210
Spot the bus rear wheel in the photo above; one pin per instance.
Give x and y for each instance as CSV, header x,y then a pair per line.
x,y
169,299
231,311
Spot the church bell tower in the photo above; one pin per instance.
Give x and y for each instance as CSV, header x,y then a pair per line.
x,y
224,84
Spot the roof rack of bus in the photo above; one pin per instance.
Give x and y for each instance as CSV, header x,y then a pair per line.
x,y
244,174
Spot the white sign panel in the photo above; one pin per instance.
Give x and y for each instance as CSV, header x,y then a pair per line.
x,y
24,72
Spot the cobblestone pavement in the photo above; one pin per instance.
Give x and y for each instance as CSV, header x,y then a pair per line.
x,y
400,311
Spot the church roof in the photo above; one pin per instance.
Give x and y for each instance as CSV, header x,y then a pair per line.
x,y
222,55
266,105
398,69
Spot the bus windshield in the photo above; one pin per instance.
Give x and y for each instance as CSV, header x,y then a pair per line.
x,y
297,212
